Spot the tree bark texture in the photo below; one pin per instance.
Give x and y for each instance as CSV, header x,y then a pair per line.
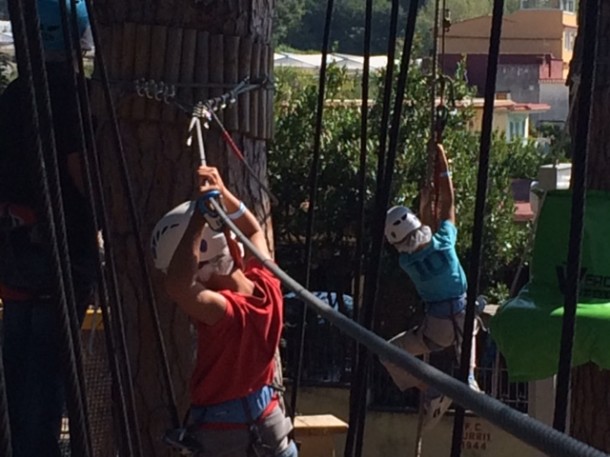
x,y
590,401
162,176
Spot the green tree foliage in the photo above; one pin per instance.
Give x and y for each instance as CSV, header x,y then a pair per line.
x,y
347,31
337,207
299,23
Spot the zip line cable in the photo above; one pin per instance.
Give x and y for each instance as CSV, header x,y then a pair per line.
x,y
474,272
580,147
26,25
135,223
235,149
313,191
525,428
113,322
207,111
356,399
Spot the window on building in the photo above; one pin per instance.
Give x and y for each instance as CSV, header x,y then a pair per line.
x,y
568,5
569,37
548,4
516,128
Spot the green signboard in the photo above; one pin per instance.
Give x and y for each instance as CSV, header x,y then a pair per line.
x,y
527,328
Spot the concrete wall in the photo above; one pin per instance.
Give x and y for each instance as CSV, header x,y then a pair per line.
x,y
521,81
499,123
523,32
556,94
389,434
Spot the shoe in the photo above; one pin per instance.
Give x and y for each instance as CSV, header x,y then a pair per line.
x,y
480,304
434,409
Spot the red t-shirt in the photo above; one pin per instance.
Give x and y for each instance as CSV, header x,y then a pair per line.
x,y
235,356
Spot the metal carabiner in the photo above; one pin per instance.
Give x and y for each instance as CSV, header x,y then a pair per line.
x,y
139,86
170,92
160,91
151,87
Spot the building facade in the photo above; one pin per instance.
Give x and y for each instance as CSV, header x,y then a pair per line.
x,y
535,53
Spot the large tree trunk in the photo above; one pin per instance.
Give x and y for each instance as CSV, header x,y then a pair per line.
x,y
162,167
590,403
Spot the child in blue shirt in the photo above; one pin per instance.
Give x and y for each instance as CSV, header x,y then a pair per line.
x,y
430,259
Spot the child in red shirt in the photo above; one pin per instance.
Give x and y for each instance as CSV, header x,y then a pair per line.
x,y
238,312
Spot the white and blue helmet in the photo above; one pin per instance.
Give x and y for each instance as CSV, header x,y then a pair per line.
x,y
214,253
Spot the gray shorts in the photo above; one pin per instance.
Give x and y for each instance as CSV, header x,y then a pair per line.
x,y
274,430
433,334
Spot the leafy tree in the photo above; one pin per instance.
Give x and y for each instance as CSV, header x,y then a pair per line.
x,y
336,216
299,23
347,26
287,18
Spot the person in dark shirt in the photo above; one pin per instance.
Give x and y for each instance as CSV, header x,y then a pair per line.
x,y
31,348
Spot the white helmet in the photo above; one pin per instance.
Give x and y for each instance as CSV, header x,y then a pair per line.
x,y
399,222
168,232
214,255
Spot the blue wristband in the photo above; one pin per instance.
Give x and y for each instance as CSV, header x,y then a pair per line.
x,y
445,174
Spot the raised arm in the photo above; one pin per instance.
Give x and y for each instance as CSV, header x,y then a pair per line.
x,y
446,205
242,217
181,280
426,211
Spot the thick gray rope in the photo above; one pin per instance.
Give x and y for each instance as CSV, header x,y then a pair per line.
x,y
522,426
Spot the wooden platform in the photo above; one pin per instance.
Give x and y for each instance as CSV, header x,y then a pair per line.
x,y
319,435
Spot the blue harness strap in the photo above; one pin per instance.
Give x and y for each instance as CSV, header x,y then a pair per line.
x,y
234,411
446,308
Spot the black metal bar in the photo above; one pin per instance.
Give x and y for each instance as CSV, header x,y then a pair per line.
x,y
313,191
355,404
115,345
31,66
135,222
383,198
479,215
580,147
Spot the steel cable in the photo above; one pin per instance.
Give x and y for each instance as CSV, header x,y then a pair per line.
x,y
113,331
26,26
474,272
580,147
357,395
313,191
382,200
135,221
525,428
360,372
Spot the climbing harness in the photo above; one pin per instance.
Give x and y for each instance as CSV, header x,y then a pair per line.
x,y
245,411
